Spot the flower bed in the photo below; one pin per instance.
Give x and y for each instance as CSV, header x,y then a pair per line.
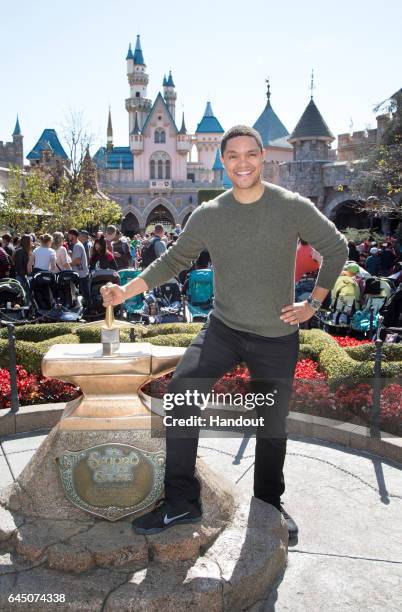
x,y
332,375
33,389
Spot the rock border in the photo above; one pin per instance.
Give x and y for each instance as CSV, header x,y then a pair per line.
x,y
46,416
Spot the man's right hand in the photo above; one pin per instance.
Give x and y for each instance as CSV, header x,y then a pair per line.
x,y
113,295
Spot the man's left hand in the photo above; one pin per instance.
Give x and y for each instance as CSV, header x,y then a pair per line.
x,y
297,313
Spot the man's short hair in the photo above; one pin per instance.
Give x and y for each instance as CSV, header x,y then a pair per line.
x,y
111,229
84,232
73,232
240,130
6,237
158,228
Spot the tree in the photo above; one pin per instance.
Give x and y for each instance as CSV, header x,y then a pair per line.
x,y
28,203
378,179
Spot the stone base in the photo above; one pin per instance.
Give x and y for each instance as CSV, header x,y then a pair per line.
x,y
48,545
106,566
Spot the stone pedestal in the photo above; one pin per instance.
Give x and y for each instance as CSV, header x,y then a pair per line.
x,y
114,464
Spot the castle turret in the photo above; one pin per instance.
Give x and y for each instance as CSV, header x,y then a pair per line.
x,y
138,81
109,137
208,137
169,94
136,139
311,138
183,139
18,144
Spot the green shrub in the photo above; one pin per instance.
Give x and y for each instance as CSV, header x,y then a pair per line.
x,y
30,354
171,339
37,332
393,352
171,328
338,366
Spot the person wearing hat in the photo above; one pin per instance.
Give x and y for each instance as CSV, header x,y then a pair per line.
x,y
347,285
373,262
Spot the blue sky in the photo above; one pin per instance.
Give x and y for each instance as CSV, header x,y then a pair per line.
x,y
58,56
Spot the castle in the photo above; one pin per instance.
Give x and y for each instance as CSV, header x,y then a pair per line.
x,y
156,178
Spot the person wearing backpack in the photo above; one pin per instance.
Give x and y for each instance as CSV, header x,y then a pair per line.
x,y
154,248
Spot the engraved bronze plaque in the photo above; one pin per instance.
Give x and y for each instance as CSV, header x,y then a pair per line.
x,y
112,480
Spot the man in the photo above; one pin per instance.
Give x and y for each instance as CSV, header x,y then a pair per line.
x,y
85,241
255,319
7,245
79,263
4,264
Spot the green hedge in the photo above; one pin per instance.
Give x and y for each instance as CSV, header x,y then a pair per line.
x,y
37,332
172,328
171,339
338,365
362,352
30,354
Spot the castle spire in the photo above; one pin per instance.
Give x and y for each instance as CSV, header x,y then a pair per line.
x,y
129,53
183,129
17,129
268,91
312,84
109,132
138,56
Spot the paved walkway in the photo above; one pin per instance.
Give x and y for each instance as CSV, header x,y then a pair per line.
x,y
348,506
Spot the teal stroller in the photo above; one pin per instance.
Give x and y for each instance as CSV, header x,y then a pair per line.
x,y
200,293
133,308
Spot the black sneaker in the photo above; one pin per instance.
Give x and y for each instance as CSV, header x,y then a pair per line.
x,y
167,514
291,525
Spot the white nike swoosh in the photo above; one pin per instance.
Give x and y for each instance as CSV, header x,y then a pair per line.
x,y
167,520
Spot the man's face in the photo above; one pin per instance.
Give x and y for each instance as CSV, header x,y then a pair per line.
x,y
82,237
243,160
72,238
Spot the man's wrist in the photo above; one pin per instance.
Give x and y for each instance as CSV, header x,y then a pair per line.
x,y
314,303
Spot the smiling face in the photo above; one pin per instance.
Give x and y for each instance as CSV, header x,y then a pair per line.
x,y
243,161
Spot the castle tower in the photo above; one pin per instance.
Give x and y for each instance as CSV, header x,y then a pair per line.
x,y
208,137
311,138
138,81
18,144
169,94
109,132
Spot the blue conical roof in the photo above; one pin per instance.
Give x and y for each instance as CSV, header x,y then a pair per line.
x,y
129,53
164,81
170,80
209,124
270,127
226,182
17,129
138,57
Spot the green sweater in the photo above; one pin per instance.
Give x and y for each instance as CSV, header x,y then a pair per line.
x,y
253,248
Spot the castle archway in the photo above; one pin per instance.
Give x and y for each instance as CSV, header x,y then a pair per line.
x,y
130,224
160,214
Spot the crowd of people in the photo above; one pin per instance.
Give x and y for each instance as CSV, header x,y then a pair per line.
x,y
22,256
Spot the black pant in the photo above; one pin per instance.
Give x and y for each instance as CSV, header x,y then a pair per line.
x,y
271,363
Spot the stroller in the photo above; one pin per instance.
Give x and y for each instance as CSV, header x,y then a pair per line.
x,y
134,307
15,304
98,278
391,327
164,304
56,296
376,292
200,293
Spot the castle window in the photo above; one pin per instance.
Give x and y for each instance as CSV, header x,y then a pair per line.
x,y
160,135
160,165
137,94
